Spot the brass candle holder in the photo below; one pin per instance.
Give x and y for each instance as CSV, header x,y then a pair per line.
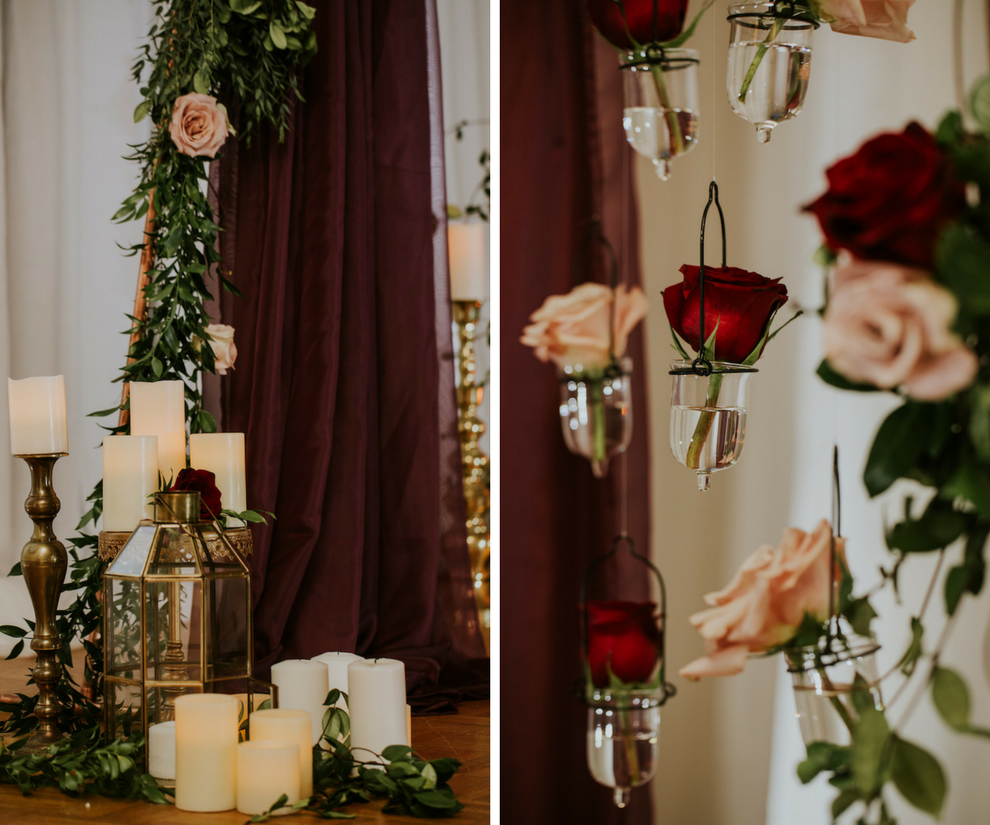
x,y
474,462
43,564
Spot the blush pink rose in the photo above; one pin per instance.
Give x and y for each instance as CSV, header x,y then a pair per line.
x,y
766,602
198,126
222,344
572,330
884,19
889,326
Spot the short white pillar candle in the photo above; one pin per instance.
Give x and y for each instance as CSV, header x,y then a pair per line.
x,y
337,670
159,408
130,477
205,752
377,706
37,415
303,685
265,771
223,455
287,725
161,750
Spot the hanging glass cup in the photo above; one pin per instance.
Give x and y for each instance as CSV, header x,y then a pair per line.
x,y
596,412
769,63
661,104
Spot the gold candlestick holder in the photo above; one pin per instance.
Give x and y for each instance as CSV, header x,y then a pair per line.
x,y
43,564
474,462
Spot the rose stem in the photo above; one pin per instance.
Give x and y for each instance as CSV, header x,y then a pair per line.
x,y
778,24
597,420
704,425
629,744
673,124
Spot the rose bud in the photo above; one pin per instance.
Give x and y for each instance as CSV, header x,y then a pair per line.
x,y
622,638
204,483
638,22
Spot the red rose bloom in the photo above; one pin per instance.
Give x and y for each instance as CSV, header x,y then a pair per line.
x,y
203,482
741,303
623,637
890,200
607,17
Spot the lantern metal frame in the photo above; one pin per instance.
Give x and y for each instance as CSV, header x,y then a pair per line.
x,y
178,512
801,17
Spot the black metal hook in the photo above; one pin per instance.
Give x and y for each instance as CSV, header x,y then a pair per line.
x,y
833,617
701,365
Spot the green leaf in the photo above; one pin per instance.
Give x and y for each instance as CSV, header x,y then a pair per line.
x,y
843,801
393,752
437,799
860,614
914,650
870,737
245,7
141,112
278,35
951,697
979,104
951,129
201,82
13,630
918,776
307,11
961,258
15,651
831,377
938,527
955,586
898,445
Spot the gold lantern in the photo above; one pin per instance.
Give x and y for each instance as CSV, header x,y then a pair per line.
x,y
177,617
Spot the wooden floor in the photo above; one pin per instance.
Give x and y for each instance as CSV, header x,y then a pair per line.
x,y
464,736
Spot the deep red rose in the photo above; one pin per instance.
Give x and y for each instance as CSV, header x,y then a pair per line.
x,y
622,636
607,17
741,303
203,482
890,200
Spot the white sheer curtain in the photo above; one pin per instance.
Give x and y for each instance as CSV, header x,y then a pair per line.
x,y
68,102
730,747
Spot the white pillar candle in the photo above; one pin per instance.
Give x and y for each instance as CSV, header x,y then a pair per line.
x,y
337,670
303,685
265,771
205,752
161,750
159,408
466,250
223,455
130,477
37,416
285,725
377,706
409,725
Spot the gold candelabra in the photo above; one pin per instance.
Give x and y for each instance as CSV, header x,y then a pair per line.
x,y
43,564
474,462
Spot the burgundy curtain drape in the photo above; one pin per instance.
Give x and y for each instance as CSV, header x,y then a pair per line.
x,y
564,162
343,383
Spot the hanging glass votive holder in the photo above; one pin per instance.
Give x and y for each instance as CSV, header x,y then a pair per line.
x,y
596,412
769,62
832,683
661,104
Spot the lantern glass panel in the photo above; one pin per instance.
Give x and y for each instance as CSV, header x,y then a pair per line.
x,y
124,708
227,639
172,626
173,553
124,629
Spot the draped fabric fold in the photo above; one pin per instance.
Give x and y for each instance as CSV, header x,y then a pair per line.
x,y
564,162
339,385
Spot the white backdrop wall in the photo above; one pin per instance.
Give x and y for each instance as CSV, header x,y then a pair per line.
x,y
730,746
67,120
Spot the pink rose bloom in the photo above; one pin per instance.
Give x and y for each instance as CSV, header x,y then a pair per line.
x,y
889,326
572,330
766,602
885,19
222,344
198,127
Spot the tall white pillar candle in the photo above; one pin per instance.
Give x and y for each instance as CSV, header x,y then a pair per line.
x,y
130,478
161,750
303,685
223,455
205,752
159,408
337,670
265,771
285,725
377,706
37,415
466,250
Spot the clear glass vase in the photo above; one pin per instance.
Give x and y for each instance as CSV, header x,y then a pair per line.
x,y
623,739
596,413
661,106
829,686
769,65
708,417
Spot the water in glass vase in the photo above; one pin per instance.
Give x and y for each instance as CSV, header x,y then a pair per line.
x,y
778,88
621,762
707,439
648,131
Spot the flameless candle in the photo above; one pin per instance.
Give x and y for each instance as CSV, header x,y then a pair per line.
x,y
161,750
285,725
378,705
206,752
130,476
303,685
466,248
223,455
337,670
265,771
37,415
409,725
159,408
